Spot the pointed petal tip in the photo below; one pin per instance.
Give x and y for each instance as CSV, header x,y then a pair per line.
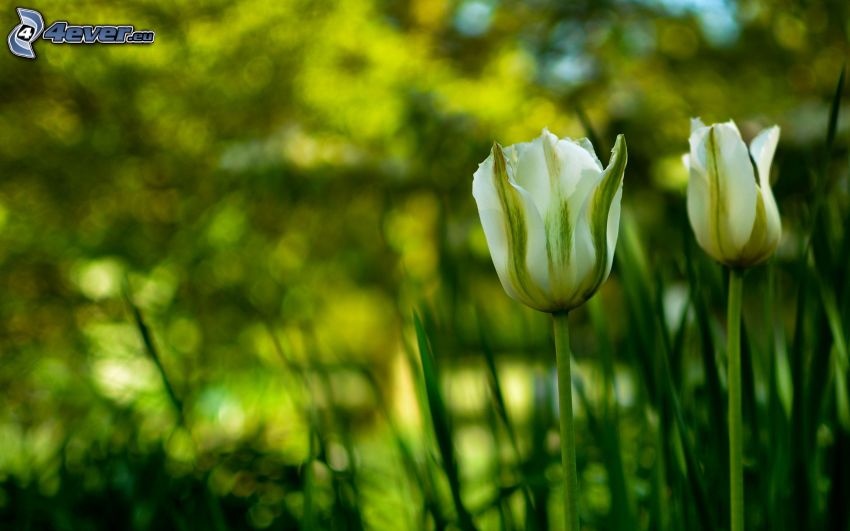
x,y
497,151
696,123
546,133
731,123
619,156
620,144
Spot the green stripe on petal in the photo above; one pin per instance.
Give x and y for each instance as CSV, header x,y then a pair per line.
x,y
557,222
516,226
600,207
559,241
732,184
756,249
716,191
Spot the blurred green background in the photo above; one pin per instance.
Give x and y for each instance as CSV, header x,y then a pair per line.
x,y
277,186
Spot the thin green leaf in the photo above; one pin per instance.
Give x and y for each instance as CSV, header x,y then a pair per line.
x,y
440,423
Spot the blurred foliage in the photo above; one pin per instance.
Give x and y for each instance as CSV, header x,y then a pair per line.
x,y
277,185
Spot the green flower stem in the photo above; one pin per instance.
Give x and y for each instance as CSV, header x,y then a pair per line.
x,y
565,402
733,352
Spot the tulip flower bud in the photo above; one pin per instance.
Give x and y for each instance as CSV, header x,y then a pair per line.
x,y
733,215
551,216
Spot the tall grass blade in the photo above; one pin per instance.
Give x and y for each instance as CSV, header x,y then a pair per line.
x,y
589,130
835,107
153,354
441,424
620,516
646,311
498,397
216,515
694,475
539,456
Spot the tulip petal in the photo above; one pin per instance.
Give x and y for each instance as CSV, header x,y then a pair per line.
x,y
699,194
604,214
529,165
732,187
762,149
493,223
585,143
772,219
580,280
764,238
578,172
731,123
514,231
696,123
699,211
613,229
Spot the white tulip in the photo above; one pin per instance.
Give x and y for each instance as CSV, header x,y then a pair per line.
x,y
551,216
733,215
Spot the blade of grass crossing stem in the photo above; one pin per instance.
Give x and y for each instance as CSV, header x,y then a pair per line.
x,y
440,423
